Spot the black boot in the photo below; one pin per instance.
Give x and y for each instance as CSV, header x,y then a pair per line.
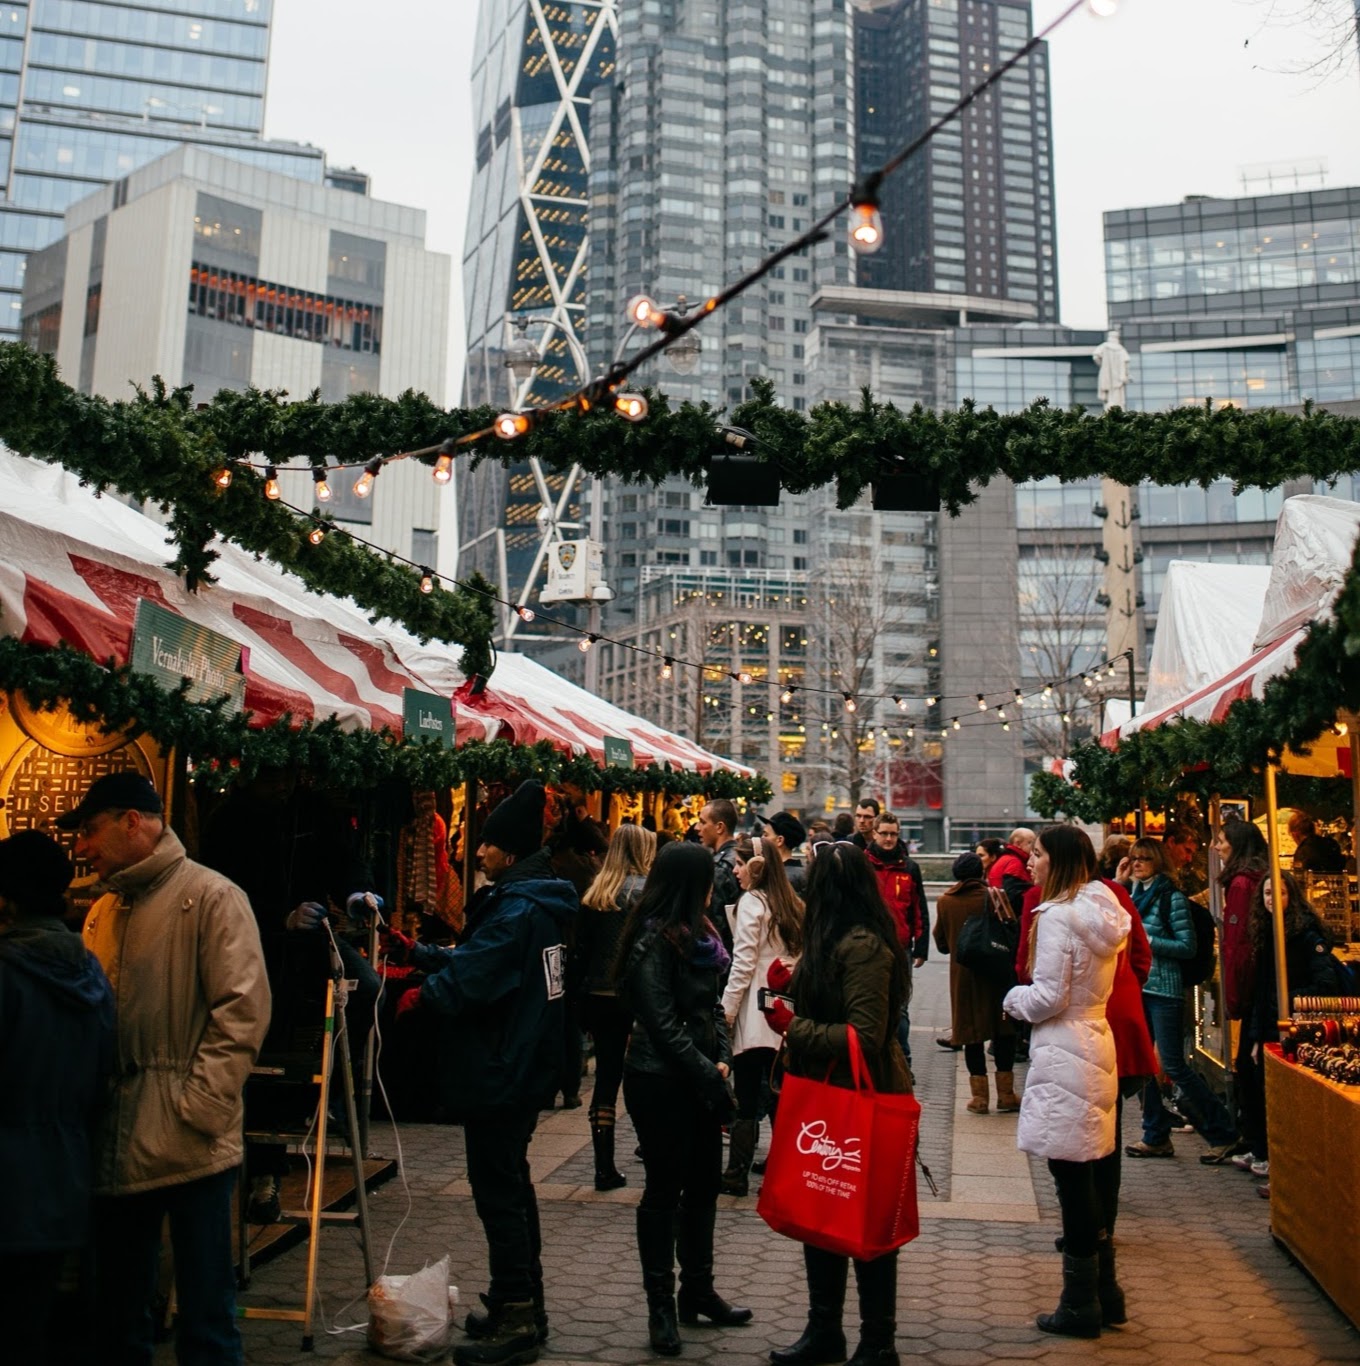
x,y
1078,1311
607,1175
656,1250
823,1340
479,1324
694,1247
740,1150
1108,1289
877,1285
512,1342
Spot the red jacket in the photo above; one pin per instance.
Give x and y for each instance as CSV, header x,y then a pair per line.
x,y
1134,1053
1011,862
904,894
1239,970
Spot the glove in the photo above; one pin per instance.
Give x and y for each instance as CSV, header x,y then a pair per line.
x,y
310,915
397,947
718,1098
779,1016
408,1001
779,976
363,906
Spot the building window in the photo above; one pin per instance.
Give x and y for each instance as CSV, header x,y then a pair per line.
x,y
424,546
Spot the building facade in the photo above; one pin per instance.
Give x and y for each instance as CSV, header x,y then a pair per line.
x,y
209,272
92,89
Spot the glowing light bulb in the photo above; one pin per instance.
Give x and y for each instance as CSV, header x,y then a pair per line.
x,y
426,581
982,702
443,469
786,696
363,485
271,484
745,678
586,642
866,228
1103,9
1087,681
931,701
1067,717
944,732
524,613
1005,725
322,490
911,732
222,477
508,426
955,723
316,535
901,703
643,311
1048,689
630,407
1001,713
850,704
667,669
1019,698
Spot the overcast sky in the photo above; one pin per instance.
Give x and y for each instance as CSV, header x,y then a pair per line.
x,y
1165,99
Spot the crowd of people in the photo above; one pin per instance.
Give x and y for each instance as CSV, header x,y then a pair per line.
x,y
699,968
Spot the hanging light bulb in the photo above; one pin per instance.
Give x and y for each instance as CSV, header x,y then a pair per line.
x,y
1103,9
321,490
508,426
1005,725
1019,698
317,534
1048,689
667,669
931,701
1340,729
426,581
643,312
850,704
787,695
363,485
911,732
1067,718
525,614
982,702
901,703
744,677
866,223
586,642
443,465
1087,681
222,477
1001,713
630,407
944,732
955,723
271,483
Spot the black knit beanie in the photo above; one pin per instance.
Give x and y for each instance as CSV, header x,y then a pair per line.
x,y
967,866
34,873
516,825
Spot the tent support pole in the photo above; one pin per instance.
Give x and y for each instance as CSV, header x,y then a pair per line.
x,y
1282,1001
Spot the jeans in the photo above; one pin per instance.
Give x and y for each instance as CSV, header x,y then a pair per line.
x,y
681,1142
608,1023
1166,1021
498,1171
1082,1201
127,1248
1003,1050
1249,1084
904,1034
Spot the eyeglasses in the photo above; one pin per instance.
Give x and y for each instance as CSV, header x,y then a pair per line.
x,y
87,828
1142,858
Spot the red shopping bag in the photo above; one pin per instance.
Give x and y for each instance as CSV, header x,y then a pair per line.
x,y
841,1171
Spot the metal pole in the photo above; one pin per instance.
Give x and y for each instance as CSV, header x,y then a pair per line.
x,y
1141,817
1282,1006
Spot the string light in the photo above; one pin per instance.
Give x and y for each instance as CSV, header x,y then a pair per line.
x,y
1340,729
1019,698
1048,689
982,702
222,477
787,695
508,426
901,703
443,466
426,581
586,642
1087,681
1110,670
955,723
271,483
911,732
321,490
931,701
744,677
1001,713
1067,718
850,704
317,534
866,223
1005,725
667,669
944,732
643,311
363,485
525,614
631,407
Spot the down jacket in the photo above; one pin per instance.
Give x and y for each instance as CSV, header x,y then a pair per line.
x,y
1068,1109
182,953
755,946
1170,931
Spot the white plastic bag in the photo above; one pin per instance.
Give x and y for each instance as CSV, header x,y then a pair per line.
x,y
410,1318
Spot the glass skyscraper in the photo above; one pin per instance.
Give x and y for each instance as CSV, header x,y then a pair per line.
x,y
91,89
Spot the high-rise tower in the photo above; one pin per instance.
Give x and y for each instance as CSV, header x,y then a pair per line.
x,y
92,89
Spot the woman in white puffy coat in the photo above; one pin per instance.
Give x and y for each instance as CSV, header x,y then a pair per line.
x,y
1067,1114
768,925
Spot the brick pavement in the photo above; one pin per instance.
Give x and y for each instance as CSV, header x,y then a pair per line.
x,y
1204,1280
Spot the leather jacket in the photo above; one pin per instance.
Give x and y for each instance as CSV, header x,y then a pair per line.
x,y
678,1024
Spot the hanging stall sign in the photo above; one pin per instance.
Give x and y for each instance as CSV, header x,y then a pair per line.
x,y
618,753
170,649
427,716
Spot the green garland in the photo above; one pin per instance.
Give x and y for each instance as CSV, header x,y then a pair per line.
x,y
1226,757
218,741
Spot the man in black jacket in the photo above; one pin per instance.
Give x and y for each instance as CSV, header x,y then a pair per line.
x,y
717,824
499,997
786,833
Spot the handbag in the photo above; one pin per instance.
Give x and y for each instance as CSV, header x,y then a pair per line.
x,y
988,941
841,1171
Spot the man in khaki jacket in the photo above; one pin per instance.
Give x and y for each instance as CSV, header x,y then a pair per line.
x,y
181,950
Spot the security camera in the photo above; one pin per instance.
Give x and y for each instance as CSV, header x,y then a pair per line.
x,y
602,592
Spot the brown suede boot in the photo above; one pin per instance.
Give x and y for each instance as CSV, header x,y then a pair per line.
x,y
1006,1099
978,1105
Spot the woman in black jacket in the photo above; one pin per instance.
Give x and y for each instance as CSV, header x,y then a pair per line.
x,y
675,1086
852,972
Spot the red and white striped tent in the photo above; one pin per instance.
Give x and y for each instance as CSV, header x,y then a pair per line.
x,y
73,566
1314,541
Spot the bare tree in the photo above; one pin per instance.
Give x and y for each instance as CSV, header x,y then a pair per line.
x,y
1332,28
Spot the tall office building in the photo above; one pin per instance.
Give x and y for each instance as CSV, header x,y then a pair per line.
x,y
92,89
536,64
972,211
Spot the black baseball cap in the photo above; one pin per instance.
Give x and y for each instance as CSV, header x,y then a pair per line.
x,y
126,791
788,827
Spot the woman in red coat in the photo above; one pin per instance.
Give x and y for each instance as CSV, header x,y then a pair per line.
x,y
1242,858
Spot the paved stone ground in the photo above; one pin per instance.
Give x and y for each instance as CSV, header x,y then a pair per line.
x,y
1205,1282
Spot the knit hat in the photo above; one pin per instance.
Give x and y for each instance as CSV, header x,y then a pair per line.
x,y
788,828
34,872
516,825
967,866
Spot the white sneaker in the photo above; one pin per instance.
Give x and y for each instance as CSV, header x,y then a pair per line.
x,y
1244,1161
1261,1168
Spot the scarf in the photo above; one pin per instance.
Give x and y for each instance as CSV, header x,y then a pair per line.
x,y
705,951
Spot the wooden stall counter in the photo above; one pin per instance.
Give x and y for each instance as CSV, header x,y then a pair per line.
x,y
1314,1132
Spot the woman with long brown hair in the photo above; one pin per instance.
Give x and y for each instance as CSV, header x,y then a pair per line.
x,y
768,925
604,910
1067,1113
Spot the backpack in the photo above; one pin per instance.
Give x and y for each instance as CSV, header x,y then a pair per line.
x,y
1201,967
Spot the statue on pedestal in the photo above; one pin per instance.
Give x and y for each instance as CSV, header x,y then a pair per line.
x,y
1113,360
